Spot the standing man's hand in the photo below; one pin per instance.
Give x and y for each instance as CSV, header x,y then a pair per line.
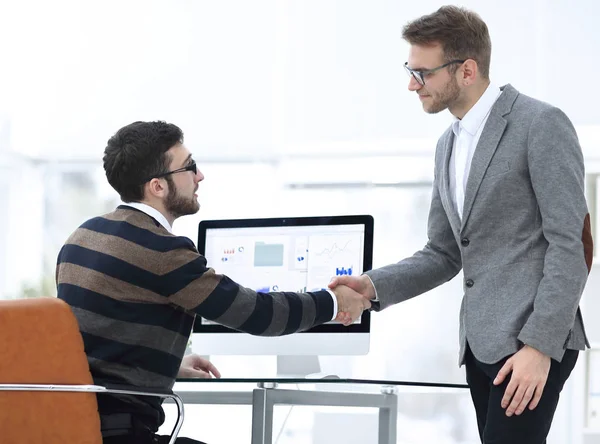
x,y
361,284
530,369
193,366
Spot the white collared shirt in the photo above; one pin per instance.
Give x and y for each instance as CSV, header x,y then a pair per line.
x,y
153,212
467,132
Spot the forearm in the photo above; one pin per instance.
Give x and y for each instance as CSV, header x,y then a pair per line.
x,y
555,306
413,276
217,298
265,314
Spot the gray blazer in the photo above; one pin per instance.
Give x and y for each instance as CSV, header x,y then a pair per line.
x,y
524,242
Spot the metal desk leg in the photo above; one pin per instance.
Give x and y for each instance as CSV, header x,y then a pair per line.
x,y
262,417
388,417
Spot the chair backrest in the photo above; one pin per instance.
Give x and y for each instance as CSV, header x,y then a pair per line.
x,y
40,343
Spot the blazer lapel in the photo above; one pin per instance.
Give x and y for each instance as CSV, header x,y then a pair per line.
x,y
486,147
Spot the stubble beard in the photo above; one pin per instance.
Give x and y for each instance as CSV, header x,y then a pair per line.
x,y
444,99
178,205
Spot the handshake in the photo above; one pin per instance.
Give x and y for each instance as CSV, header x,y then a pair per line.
x,y
353,294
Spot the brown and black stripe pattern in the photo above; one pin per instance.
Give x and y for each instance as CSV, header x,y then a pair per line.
x,y
135,289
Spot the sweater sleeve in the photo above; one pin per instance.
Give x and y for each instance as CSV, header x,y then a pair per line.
x,y
194,286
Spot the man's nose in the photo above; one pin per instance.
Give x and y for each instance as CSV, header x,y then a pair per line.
x,y
413,85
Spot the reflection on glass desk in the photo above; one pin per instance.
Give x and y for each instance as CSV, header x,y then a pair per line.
x,y
265,393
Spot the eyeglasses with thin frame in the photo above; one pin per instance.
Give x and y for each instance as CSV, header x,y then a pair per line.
x,y
191,167
420,75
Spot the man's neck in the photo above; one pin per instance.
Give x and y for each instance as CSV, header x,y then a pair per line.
x,y
472,96
161,209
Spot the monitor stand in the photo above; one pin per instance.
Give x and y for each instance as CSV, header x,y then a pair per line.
x,y
290,366
305,366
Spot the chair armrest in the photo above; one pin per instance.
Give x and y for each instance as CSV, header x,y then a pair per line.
x,y
154,391
114,388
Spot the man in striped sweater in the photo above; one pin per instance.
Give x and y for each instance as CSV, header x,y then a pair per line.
x,y
136,288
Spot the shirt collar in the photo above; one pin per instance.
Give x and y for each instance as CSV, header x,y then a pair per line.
x,y
477,114
152,212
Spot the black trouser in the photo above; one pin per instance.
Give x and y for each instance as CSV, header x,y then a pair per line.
x,y
531,426
129,428
146,439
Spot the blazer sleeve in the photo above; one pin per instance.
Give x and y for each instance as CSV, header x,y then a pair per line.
x,y
557,175
437,263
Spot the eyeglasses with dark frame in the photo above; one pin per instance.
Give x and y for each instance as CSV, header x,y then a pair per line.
x,y
191,167
420,75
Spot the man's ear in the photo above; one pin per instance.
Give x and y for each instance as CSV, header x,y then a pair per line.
x,y
469,71
156,188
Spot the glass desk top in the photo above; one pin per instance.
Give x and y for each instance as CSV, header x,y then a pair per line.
x,y
330,379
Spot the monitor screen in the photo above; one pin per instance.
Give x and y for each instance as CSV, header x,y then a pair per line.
x,y
296,254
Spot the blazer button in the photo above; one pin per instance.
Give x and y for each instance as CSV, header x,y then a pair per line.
x,y
469,283
465,242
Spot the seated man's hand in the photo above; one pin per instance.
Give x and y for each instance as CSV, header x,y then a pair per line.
x,y
361,284
350,304
193,366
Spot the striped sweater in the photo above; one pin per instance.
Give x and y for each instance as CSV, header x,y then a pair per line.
x,y
135,289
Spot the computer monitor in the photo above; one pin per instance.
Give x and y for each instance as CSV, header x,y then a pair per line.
x,y
286,254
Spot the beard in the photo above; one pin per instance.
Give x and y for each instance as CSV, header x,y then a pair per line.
x,y
178,205
445,98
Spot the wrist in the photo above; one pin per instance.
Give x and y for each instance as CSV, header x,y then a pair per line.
x,y
339,299
529,347
368,286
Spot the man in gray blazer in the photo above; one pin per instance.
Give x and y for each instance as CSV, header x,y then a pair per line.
x,y
508,208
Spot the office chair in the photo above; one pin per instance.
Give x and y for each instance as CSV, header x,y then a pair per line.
x,y
47,394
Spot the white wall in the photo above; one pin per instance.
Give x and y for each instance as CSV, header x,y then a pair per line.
x,y
267,77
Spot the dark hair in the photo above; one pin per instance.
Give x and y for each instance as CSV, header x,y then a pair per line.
x,y
136,153
462,34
